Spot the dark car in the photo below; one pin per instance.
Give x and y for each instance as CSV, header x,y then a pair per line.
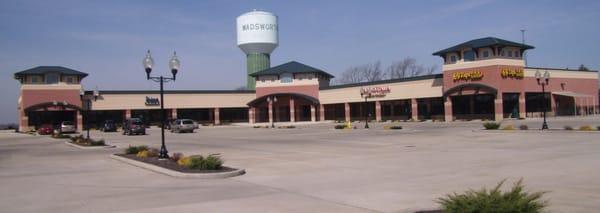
x,y
45,129
108,126
134,126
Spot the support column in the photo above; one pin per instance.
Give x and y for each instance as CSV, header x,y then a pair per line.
x,y
522,112
79,121
127,114
552,110
347,111
447,109
251,115
292,110
498,110
414,109
313,113
377,110
173,113
23,121
321,112
217,116
270,112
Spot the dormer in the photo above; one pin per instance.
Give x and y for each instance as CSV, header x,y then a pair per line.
x,y
50,75
291,74
483,49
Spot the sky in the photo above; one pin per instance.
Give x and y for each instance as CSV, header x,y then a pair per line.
x,y
108,39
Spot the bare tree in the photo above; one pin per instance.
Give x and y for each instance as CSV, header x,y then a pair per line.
x,y
351,75
372,72
432,69
400,69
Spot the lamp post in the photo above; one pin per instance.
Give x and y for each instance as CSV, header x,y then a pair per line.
x,y
366,94
87,103
543,80
271,101
174,66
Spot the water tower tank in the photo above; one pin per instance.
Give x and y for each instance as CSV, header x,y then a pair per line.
x,y
257,36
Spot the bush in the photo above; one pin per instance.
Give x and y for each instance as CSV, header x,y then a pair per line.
x,y
491,125
392,127
60,135
339,126
184,161
152,152
523,127
586,128
212,162
176,156
508,127
132,150
287,127
494,200
77,139
97,142
568,128
142,154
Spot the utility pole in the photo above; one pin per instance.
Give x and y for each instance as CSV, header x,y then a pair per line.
x,y
523,41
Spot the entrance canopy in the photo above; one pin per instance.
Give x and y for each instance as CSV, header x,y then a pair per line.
x,y
263,98
572,94
470,89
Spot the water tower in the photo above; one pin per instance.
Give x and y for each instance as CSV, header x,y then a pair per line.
x,y
257,36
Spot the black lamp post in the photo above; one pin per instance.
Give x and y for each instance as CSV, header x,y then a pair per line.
x,y
366,94
174,66
543,81
271,101
87,104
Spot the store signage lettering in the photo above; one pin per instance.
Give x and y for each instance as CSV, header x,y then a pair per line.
x,y
467,76
257,26
517,73
371,92
150,101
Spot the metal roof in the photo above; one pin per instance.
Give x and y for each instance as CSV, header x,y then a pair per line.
x,y
483,42
290,67
39,70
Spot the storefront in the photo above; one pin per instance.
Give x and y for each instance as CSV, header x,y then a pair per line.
x,y
481,79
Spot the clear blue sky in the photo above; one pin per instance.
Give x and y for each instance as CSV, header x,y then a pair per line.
x,y
108,39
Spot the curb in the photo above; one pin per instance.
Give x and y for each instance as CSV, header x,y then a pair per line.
x,y
536,131
90,147
158,169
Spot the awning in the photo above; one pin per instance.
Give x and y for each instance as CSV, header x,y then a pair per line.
x,y
572,94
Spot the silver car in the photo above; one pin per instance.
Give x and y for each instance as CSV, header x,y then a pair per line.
x,y
182,125
67,127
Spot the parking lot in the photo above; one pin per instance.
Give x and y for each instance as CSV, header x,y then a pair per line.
x,y
312,168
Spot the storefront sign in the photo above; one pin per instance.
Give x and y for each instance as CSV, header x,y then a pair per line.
x,y
517,73
150,101
371,92
467,76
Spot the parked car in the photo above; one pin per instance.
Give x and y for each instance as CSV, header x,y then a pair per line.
x,y
182,125
133,126
45,129
67,127
108,126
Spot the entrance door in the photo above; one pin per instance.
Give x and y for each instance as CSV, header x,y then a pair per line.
x,y
468,107
510,105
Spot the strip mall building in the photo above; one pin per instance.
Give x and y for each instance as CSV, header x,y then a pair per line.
x,y
481,79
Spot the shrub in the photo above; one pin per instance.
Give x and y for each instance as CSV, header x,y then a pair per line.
x,y
77,139
97,142
586,128
142,154
132,150
392,127
176,156
152,152
508,127
494,200
213,162
491,125
287,127
60,135
523,127
568,128
339,126
195,162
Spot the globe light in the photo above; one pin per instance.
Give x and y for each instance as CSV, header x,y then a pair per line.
x,y
148,64
174,64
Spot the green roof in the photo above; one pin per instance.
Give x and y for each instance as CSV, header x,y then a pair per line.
x,y
40,70
483,42
290,67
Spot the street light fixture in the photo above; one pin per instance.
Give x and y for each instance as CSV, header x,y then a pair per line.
x,y
543,80
174,65
87,104
365,94
271,101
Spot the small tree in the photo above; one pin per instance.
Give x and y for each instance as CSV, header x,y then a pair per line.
x,y
583,68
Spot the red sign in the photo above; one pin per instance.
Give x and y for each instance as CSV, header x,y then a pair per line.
x,y
371,92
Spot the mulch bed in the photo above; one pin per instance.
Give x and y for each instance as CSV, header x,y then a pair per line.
x,y
172,165
86,144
